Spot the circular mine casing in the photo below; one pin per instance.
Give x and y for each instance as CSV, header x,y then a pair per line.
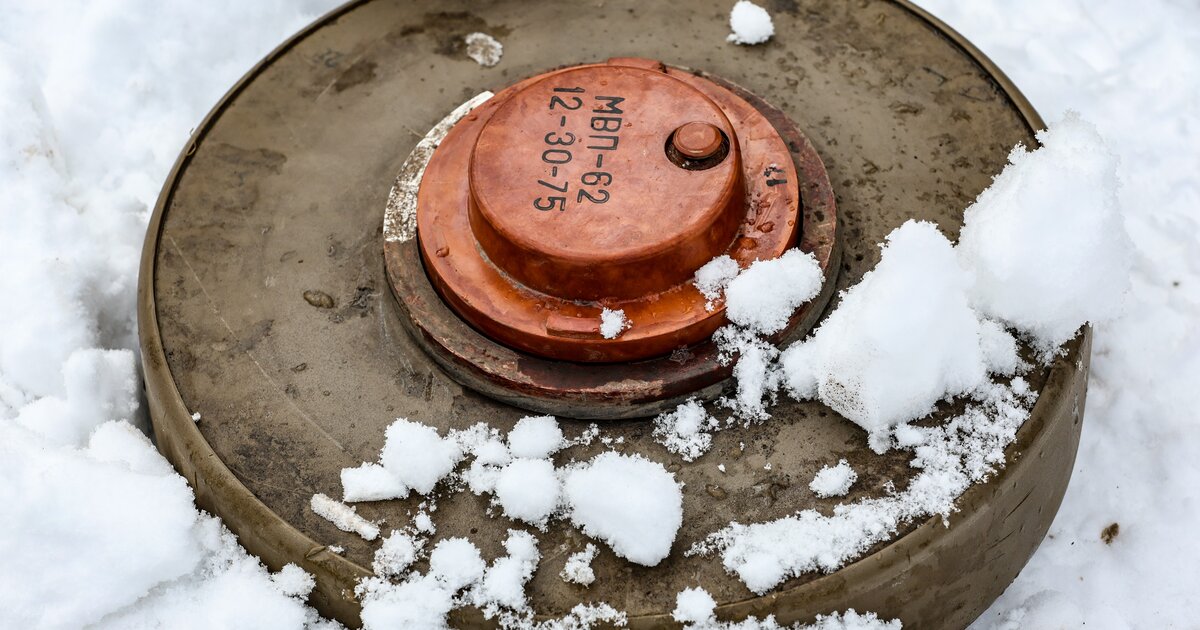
x,y
278,193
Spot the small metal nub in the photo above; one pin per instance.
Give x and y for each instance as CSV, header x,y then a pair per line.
x,y
697,140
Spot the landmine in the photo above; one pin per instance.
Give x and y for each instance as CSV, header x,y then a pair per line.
x,y
265,302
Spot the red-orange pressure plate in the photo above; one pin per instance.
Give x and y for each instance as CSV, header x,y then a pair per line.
x,y
560,197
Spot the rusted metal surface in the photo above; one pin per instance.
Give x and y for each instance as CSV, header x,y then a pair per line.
x,y
474,357
572,206
278,193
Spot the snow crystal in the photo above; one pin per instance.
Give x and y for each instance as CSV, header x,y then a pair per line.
x,y
528,489
900,340
417,456
712,278
762,298
535,438
343,516
371,482
694,606
395,554
751,24
484,49
578,568
1046,241
613,323
833,481
685,430
629,502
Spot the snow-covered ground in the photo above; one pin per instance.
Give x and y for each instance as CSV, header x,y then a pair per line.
x,y
97,97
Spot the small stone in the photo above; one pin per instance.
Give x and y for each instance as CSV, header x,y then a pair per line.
x,y
1108,534
319,299
715,491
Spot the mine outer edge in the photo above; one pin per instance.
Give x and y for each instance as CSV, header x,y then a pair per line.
x,y
274,540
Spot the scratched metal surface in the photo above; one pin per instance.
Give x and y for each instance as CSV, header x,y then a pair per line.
x,y
284,195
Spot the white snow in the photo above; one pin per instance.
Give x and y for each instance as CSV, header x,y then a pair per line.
x,y
900,340
578,567
964,450
750,23
528,490
712,278
833,481
397,552
694,606
503,585
371,482
483,49
631,503
1046,242
417,455
535,437
613,323
457,576
1134,71
343,516
763,297
456,563
685,431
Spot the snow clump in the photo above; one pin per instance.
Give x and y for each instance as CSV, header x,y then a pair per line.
x,y
528,490
833,481
629,502
578,568
535,437
694,606
902,339
750,23
762,298
1045,243
613,323
695,609
685,431
343,516
712,278
484,49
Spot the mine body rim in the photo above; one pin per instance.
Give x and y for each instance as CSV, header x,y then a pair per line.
x,y
277,542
